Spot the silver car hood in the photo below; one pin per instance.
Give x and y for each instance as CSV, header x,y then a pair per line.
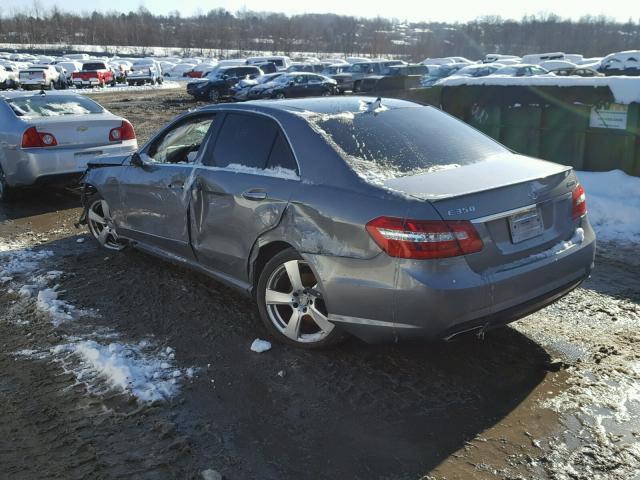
x,y
492,173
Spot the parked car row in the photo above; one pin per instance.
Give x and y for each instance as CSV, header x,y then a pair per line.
x,y
250,82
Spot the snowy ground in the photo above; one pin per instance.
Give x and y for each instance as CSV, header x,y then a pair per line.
x,y
121,365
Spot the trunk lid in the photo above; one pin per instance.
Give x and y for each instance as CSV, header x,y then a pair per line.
x,y
520,206
83,131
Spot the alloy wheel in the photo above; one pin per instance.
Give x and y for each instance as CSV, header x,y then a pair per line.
x,y
101,225
295,305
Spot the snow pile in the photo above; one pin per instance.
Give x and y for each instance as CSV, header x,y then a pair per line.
x,y
136,369
613,204
59,311
624,89
17,260
21,269
260,346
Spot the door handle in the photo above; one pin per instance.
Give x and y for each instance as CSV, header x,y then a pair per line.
x,y
176,185
255,195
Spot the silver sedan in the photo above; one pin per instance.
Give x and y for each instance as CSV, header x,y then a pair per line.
x,y
50,138
380,218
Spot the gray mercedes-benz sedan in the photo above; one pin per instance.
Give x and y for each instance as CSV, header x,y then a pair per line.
x,y
50,137
376,217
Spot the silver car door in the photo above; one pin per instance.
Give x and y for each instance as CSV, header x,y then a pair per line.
x,y
156,194
240,191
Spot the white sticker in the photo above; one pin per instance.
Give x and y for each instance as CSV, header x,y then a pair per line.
x,y
614,116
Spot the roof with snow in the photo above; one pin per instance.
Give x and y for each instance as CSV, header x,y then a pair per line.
x,y
624,89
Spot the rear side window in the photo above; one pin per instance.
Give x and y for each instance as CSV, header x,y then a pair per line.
x,y
281,155
245,140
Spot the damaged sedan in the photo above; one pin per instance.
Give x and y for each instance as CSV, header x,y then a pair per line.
x,y
378,218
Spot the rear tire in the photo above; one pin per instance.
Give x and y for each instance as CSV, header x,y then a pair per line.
x,y
291,306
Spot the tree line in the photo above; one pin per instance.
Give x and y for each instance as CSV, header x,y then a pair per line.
x,y
249,31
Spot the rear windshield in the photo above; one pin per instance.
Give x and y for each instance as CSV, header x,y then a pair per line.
x,y
382,144
91,67
52,106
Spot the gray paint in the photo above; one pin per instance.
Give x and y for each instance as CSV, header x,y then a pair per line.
x,y
208,224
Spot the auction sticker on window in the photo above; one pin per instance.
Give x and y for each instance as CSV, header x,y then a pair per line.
x,y
613,117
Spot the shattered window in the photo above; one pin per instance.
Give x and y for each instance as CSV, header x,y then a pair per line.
x,y
54,105
403,141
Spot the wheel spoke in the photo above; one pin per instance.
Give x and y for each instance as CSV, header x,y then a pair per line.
x,y
321,320
102,236
272,297
105,209
293,271
293,327
96,218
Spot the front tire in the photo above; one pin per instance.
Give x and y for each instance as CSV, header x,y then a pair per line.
x,y
291,304
214,95
101,224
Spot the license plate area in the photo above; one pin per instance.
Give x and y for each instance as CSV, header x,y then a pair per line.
x,y
525,225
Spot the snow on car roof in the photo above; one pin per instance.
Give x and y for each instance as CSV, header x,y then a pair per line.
x,y
320,105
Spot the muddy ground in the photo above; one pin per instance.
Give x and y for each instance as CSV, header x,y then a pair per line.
x,y
556,395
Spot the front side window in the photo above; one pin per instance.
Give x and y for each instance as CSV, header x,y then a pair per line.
x,y
252,141
182,142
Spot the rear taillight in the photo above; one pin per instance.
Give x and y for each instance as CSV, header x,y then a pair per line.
x,y
419,239
579,202
124,132
32,138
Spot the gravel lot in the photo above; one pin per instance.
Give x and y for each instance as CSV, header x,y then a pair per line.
x,y
556,395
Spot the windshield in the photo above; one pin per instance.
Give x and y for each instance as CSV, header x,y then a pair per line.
x,y
52,106
403,141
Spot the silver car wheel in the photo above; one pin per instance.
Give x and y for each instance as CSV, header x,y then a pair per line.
x,y
101,225
294,304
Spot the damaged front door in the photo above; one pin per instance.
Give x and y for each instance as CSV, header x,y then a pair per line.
x,y
156,193
240,191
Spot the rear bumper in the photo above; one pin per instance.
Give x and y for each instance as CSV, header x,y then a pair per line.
x,y
83,83
33,166
386,299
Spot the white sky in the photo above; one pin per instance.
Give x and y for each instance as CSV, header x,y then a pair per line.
x,y
415,10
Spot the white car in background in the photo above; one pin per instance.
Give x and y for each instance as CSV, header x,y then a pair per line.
x,y
9,76
181,69
282,62
521,70
50,138
621,63
40,76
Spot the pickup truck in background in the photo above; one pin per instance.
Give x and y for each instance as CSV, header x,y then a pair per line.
x,y
94,74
